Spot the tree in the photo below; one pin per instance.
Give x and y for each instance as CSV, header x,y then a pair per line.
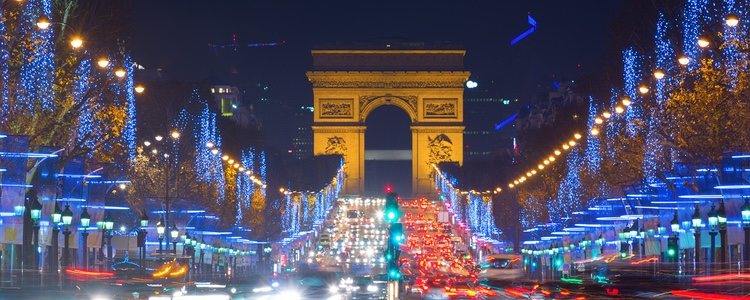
x,y
708,115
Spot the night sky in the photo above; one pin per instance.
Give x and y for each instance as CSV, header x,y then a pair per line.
x,y
174,36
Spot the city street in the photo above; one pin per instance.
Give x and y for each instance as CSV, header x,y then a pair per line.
x,y
376,150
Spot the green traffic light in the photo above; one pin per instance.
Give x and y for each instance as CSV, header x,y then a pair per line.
x,y
391,215
671,252
623,254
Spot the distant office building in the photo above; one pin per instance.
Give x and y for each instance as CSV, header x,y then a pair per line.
x,y
302,142
489,126
227,98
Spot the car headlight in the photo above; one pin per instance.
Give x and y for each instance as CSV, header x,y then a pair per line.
x,y
288,295
263,289
372,288
233,290
333,289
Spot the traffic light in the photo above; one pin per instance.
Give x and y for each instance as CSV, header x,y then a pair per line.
x,y
391,213
394,272
672,249
396,234
623,249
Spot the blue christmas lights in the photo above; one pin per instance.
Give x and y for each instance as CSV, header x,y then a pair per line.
x,y
569,193
4,72
37,73
129,133
632,64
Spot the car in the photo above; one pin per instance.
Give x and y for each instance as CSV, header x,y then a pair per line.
x,y
313,285
251,288
364,287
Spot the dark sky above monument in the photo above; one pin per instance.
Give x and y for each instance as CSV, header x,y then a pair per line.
x,y
174,36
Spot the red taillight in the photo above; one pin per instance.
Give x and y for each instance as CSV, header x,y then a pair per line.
x,y
613,291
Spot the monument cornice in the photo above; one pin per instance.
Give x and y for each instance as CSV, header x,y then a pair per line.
x,y
388,79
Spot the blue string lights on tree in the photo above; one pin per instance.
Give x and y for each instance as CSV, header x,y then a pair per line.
x,y
248,160
632,74
209,165
654,150
37,73
4,72
569,193
734,36
592,156
263,166
129,133
86,120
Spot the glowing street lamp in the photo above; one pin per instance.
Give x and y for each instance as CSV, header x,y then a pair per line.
x,y
703,42
85,218
626,101
120,72
643,89
36,210
43,23
732,20
144,221
175,233
675,224
697,221
56,215
139,89
683,60
67,216
102,62
659,74
76,42
746,211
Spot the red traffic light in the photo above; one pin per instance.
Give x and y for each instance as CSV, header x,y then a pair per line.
x,y
388,189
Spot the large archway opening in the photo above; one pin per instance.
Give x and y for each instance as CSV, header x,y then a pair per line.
x,y
388,146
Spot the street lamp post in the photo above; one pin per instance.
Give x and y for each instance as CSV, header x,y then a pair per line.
x,y
713,220
85,222
53,256
746,229
109,224
722,218
35,213
67,219
697,224
675,226
142,239
160,229
175,234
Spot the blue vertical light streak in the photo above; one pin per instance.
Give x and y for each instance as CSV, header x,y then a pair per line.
x,y
632,69
263,167
613,126
85,134
129,133
569,193
734,36
37,74
591,156
690,31
4,72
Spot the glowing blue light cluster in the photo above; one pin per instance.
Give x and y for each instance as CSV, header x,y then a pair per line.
x,y
569,192
86,120
129,133
734,36
37,74
4,73
263,166
244,189
654,150
209,167
248,160
690,31
470,208
613,129
591,156
632,69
